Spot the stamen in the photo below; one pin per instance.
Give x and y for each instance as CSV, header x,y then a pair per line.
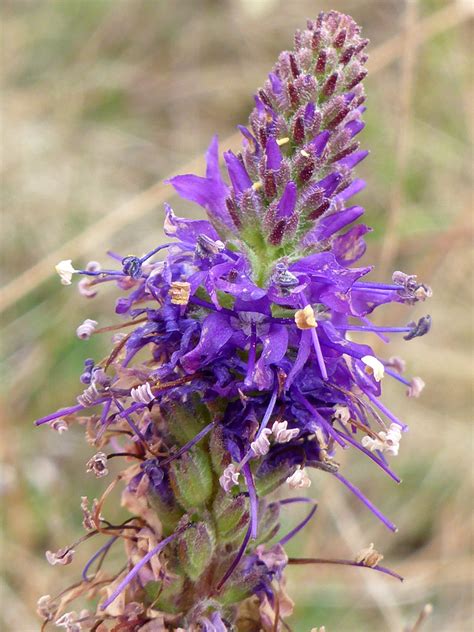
x,y
415,387
384,441
300,526
299,479
386,411
187,446
263,425
366,501
252,355
236,560
98,465
253,501
65,270
62,413
320,560
261,445
142,394
102,551
153,252
131,423
229,477
319,354
368,556
326,425
86,329
282,434
305,319
372,456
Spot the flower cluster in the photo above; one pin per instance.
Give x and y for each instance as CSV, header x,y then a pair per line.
x,y
235,370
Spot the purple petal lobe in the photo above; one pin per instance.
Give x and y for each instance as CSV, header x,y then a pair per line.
x,y
320,142
209,192
275,344
354,127
354,159
187,230
350,247
329,183
330,224
216,331
237,172
354,187
286,205
273,154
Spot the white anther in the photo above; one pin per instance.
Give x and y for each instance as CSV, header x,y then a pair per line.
x,y
384,441
86,329
88,397
86,288
142,394
283,141
69,620
374,367
63,556
394,362
282,434
229,478
342,413
65,270
299,479
368,556
415,388
261,445
98,465
93,266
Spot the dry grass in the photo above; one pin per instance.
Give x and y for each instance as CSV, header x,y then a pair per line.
x,y
104,98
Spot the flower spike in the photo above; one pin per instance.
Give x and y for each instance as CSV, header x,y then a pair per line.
x,y
236,362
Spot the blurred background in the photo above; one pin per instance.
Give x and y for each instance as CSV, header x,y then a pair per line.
x,y
102,99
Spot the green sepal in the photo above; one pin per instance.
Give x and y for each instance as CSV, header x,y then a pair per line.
x,y
191,479
231,516
239,587
219,456
169,514
195,548
165,596
184,422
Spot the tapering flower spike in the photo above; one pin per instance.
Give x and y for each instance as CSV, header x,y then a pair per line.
x,y
238,367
